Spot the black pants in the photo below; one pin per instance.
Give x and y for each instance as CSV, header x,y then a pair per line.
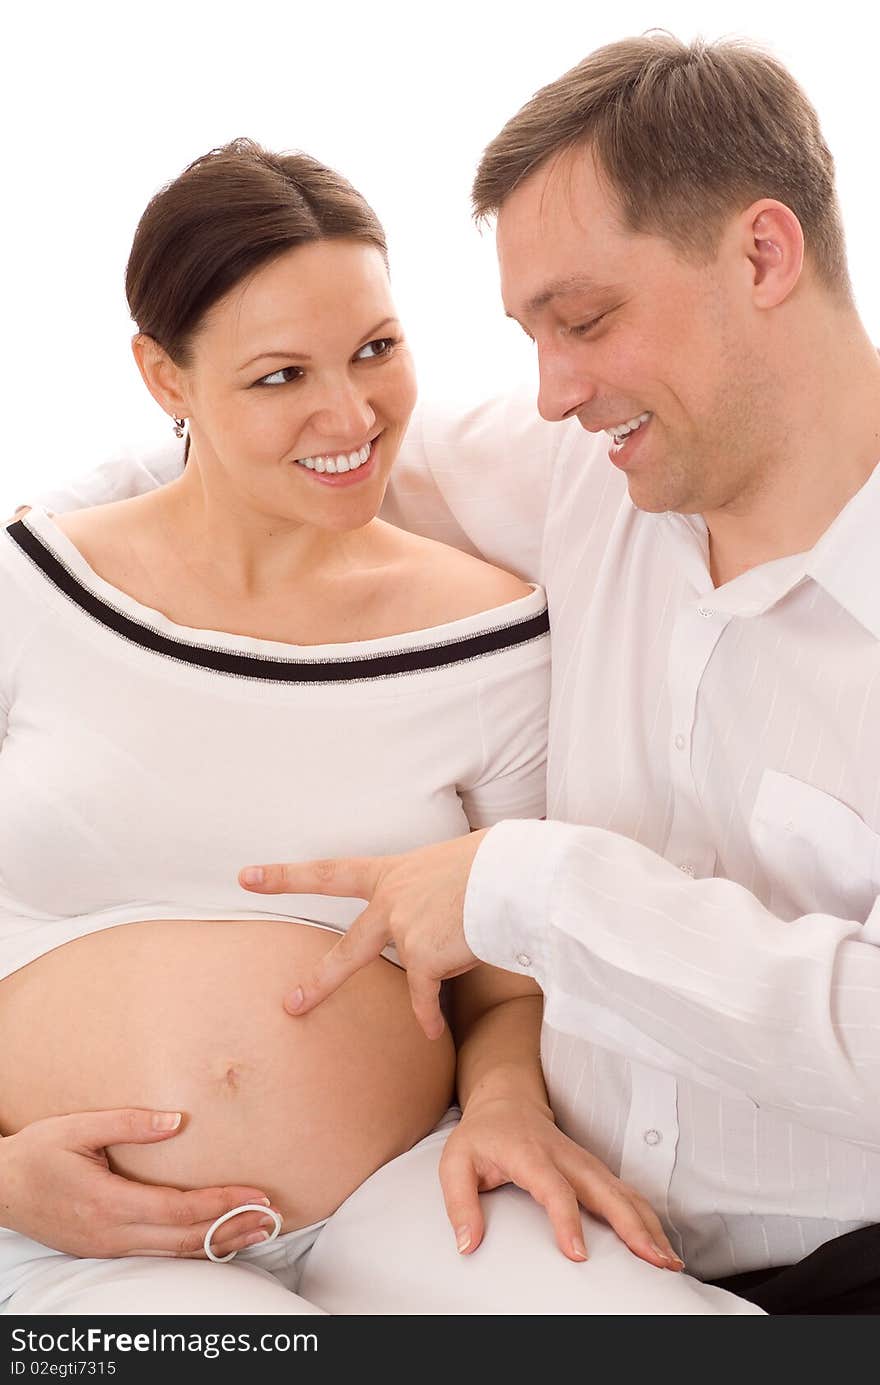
x,y
842,1276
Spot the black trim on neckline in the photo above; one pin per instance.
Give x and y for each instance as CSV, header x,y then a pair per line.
x,y
268,667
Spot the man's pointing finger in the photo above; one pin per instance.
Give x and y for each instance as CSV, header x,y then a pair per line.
x,y
353,879
358,947
424,994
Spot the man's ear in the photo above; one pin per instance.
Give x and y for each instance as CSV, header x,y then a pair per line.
x,y
161,376
773,244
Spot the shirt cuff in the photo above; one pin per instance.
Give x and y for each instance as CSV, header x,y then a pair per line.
x,y
509,894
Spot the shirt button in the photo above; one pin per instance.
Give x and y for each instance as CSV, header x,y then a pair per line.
x,y
679,742
652,1137
705,611
523,959
687,868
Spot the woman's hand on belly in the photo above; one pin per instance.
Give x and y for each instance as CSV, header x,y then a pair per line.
x,y
186,1015
56,1187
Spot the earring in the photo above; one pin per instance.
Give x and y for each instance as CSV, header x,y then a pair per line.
x,y
178,426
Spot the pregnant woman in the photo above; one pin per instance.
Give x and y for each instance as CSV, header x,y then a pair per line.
x,y
247,664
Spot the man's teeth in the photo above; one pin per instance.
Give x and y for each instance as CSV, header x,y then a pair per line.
x,y
343,461
623,430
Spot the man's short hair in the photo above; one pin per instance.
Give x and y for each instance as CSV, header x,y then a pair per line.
x,y
687,135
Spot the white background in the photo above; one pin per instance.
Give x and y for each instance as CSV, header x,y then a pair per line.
x,y
101,104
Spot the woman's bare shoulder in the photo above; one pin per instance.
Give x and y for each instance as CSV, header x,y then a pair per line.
x,y
102,523
111,539
446,584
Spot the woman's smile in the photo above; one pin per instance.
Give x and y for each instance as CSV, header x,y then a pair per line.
x,y
344,468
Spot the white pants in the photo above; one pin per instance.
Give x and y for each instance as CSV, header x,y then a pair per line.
x,y
388,1250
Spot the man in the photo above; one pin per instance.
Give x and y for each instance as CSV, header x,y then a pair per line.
x,y
699,909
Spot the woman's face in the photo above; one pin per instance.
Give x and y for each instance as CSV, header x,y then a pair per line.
x,y
300,387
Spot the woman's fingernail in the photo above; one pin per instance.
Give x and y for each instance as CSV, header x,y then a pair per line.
x,y
578,1249
256,1239
295,1000
253,875
462,1239
667,1255
165,1120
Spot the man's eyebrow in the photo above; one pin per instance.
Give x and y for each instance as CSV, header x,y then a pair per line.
x,y
572,283
301,355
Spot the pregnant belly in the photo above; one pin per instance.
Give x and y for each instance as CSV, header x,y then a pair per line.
x,y
187,1016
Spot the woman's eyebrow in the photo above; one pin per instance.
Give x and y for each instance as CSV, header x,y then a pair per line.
x,y
301,355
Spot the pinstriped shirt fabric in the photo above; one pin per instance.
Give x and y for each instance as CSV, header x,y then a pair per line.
x,y
700,909
705,932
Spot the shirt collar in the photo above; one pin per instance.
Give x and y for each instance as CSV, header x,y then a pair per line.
x,y
749,594
845,562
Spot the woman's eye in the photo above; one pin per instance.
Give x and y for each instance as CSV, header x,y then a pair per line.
x,y
282,376
382,346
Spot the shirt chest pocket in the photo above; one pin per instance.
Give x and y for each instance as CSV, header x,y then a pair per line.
x,y
818,854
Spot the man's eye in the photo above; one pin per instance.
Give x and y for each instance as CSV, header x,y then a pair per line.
x,y
584,328
284,376
382,346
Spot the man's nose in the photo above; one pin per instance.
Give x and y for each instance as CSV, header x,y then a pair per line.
x,y
565,386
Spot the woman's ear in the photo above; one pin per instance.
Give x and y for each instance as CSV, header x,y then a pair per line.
x,y
773,243
161,376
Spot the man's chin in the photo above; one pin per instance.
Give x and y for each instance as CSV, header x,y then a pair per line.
x,y
657,500
648,498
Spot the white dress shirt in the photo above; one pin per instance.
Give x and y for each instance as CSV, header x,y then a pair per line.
x,y
707,940
700,910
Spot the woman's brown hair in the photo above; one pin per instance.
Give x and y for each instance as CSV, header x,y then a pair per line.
x,y
230,212
226,215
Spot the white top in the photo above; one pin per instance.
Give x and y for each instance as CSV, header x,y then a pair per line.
x,y
707,943
142,763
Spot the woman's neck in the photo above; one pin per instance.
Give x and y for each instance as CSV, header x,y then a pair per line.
x,y
231,545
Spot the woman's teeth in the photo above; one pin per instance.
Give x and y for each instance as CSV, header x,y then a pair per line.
x,y
621,432
343,461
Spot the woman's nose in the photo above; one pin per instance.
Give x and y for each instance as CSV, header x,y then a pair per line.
x,y
345,414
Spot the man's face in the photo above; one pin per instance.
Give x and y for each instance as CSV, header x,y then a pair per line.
x,y
630,332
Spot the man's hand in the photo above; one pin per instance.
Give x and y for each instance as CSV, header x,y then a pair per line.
x,y
415,900
502,1140
56,1187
